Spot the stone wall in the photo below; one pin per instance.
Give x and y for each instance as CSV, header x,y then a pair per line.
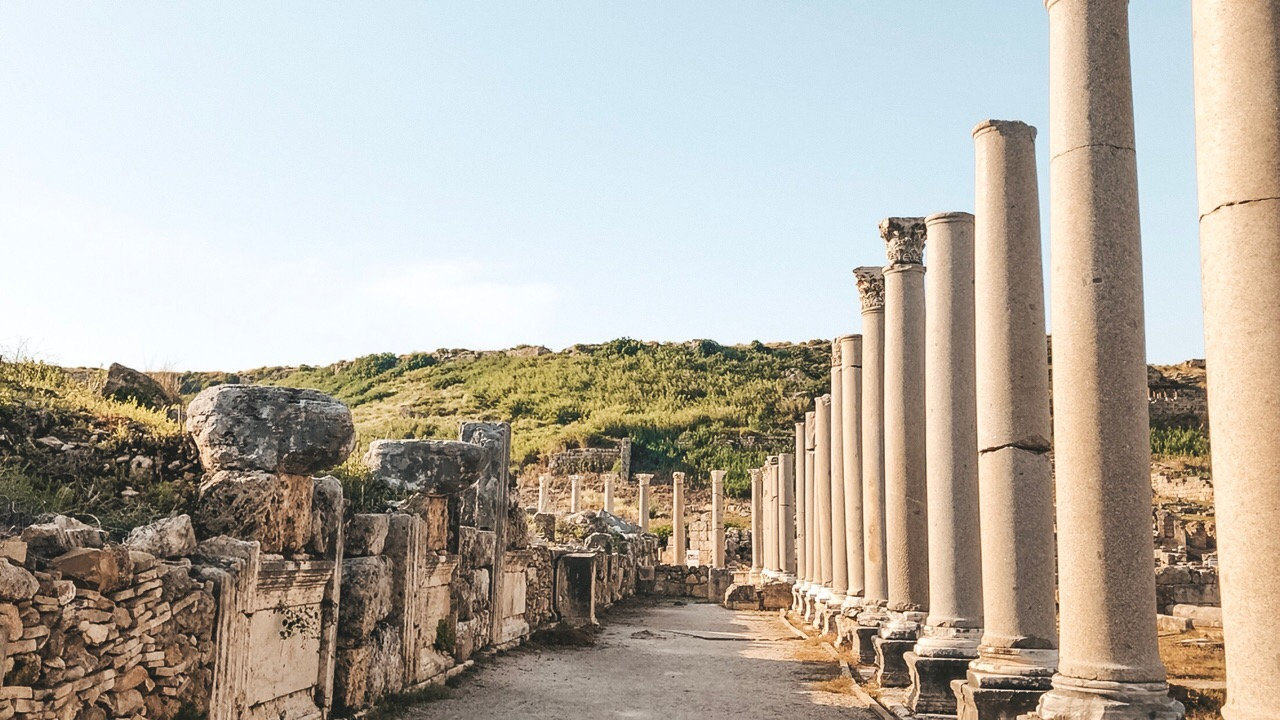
x,y
1186,584
737,542
580,461
695,581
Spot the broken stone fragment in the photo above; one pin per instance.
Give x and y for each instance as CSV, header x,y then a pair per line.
x,y
61,534
274,509
271,429
326,513
16,583
170,537
101,569
366,534
431,467
366,597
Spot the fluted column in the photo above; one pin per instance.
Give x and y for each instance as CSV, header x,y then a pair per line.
x,y
544,499
1237,82
802,572
871,290
678,536
757,524
1109,662
839,542
575,493
608,494
906,516
642,509
954,626
786,517
851,445
1018,652
717,518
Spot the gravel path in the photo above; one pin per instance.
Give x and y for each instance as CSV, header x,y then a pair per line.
x,y
662,661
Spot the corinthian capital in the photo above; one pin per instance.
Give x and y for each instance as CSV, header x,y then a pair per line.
x,y
870,287
835,353
904,238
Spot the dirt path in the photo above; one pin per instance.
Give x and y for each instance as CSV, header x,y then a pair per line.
x,y
661,661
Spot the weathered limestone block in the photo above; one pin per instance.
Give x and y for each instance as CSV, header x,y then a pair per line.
x,y
366,597
16,584
544,526
61,534
326,514
170,537
386,663
102,569
431,467
742,597
274,509
272,429
366,534
351,676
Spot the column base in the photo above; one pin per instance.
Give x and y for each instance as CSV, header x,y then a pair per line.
x,y
977,703
1079,699
891,663
846,631
931,679
865,637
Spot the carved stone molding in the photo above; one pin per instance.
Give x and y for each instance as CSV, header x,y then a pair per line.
x,y
870,287
904,239
835,353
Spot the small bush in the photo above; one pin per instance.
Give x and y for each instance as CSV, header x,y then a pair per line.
x,y
1179,442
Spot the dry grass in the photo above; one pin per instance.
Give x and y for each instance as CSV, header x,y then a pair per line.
x,y
839,685
1198,662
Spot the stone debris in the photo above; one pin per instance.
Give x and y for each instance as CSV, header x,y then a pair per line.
x,y
430,467
167,538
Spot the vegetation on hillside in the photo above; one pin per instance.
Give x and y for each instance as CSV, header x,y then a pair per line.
x,y
693,406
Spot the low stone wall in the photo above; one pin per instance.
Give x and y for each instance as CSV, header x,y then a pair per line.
x,y
694,581
1186,585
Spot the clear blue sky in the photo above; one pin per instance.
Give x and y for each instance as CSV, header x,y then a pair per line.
x,y
234,184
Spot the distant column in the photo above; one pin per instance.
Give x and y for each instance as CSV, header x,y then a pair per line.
x,y
822,491
811,502
851,445
1237,73
786,517
1018,654
771,517
954,626
802,520
643,501
839,543
1109,656
608,494
678,537
871,290
717,518
575,493
906,518
543,498
757,524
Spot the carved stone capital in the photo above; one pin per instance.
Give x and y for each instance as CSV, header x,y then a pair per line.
x,y
870,287
904,239
835,353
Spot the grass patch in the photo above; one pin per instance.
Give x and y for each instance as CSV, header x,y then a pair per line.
x,y
838,685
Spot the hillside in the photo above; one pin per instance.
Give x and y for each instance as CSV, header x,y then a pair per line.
x,y
690,406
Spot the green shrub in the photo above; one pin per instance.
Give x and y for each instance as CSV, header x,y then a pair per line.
x,y
1179,442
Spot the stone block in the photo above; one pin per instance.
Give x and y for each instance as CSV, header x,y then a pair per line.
x,y
891,665
366,597
327,507
430,467
270,429
61,534
16,583
365,534
974,703
167,538
274,509
775,596
101,569
931,679
351,676
14,549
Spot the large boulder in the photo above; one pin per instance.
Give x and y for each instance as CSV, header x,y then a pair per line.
x,y
129,385
272,429
430,467
274,509
167,538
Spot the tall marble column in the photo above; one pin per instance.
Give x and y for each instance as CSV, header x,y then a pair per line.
x,y
1018,654
757,524
1109,662
906,496
544,499
814,565
839,542
1237,82
802,572
875,595
851,446
575,493
678,537
643,502
770,520
608,494
786,518
717,518
822,492
954,626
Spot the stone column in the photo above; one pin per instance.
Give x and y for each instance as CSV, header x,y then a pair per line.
x,y
643,502
802,571
608,494
678,540
822,492
1237,74
851,446
787,517
575,493
950,636
839,543
757,525
906,518
1018,652
770,517
543,496
1109,663
814,572
717,518
876,589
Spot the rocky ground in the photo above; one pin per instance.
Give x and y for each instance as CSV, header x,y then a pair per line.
x,y
661,660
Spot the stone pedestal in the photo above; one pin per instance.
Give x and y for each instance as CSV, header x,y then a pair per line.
x,y
871,290
891,661
866,639
1237,91
978,703
931,679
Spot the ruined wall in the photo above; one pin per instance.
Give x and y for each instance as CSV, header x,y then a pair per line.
x,y
579,461
700,582
1186,585
737,542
